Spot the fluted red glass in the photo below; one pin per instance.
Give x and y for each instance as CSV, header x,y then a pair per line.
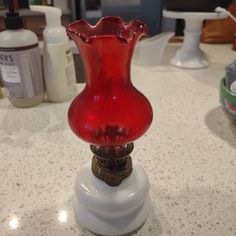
x,y
110,111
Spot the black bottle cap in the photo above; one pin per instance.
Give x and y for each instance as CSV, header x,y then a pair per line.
x,y
13,20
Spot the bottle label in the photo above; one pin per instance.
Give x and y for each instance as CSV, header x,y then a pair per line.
x,y
21,71
59,72
70,73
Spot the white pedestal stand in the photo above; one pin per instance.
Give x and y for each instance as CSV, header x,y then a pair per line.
x,y
107,210
190,55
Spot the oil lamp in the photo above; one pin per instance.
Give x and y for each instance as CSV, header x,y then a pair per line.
x,y
110,113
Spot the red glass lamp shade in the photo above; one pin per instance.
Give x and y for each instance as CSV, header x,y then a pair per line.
x,y
110,111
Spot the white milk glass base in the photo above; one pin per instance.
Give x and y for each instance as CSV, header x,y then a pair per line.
x,y
107,210
190,55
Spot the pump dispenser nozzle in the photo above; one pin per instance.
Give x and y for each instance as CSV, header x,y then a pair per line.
x,y
11,7
13,20
53,14
54,32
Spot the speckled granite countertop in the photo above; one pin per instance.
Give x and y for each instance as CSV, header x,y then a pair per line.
x,y
189,154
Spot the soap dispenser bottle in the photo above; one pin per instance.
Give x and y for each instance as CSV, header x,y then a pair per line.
x,y
59,70
20,62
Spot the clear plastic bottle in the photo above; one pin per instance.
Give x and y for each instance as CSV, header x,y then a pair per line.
x,y
20,63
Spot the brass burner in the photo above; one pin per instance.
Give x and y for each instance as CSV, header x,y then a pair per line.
x,y
112,164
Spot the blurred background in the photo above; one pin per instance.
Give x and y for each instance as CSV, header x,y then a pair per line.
x,y
147,10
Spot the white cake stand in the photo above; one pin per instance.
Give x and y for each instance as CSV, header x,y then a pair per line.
x,y
190,55
107,210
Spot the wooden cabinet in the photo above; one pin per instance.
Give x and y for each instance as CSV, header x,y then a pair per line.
x,y
2,24
35,21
